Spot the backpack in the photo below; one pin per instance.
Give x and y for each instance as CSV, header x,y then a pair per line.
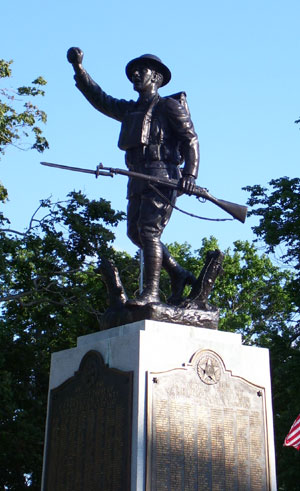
x,y
181,98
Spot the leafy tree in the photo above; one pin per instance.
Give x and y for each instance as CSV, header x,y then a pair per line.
x,y
51,293
17,117
278,209
252,294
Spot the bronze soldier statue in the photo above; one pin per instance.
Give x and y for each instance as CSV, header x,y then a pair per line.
x,y
157,135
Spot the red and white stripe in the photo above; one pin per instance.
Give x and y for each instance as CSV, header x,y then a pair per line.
x,y
293,437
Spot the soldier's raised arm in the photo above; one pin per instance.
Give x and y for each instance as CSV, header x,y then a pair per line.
x,y
106,104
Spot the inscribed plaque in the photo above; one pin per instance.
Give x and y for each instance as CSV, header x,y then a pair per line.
x,y
206,429
89,430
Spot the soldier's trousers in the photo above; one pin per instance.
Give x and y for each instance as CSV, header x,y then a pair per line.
x,y
147,215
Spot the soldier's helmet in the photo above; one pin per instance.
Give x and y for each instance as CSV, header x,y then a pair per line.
x,y
150,61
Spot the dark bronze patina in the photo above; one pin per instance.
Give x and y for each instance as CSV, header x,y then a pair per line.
x,y
162,155
193,311
89,430
157,135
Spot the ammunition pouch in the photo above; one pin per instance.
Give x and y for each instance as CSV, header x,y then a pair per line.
x,y
150,155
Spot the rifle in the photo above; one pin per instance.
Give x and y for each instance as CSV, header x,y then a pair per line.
x,y
236,211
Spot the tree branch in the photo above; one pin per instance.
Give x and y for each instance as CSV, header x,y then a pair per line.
x,y
9,230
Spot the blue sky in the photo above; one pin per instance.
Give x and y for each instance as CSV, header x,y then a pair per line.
x,y
238,61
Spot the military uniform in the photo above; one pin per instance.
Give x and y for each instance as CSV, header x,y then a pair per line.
x,y
157,136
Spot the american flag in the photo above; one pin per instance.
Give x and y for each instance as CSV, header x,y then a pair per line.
x,y
293,437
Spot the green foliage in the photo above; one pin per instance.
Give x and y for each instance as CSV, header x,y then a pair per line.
x,y
278,209
17,117
5,70
129,270
51,293
19,120
279,212
252,294
3,193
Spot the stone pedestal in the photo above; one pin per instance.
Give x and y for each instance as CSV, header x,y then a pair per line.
x,y
184,408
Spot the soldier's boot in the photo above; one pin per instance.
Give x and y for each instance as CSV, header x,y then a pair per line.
x,y
152,266
179,277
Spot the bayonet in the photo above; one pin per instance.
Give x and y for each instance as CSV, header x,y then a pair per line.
x,y
96,172
239,212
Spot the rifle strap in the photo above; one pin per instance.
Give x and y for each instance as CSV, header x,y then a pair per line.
x,y
187,212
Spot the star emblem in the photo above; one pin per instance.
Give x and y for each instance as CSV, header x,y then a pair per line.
x,y
209,370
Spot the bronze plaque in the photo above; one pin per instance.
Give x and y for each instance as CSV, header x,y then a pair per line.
x,y
206,430
89,430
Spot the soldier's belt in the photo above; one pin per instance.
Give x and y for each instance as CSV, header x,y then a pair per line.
x,y
146,153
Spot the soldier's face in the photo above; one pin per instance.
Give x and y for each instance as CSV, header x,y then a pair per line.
x,y
143,78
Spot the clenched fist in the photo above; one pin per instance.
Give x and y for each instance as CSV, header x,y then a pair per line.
x,y
75,56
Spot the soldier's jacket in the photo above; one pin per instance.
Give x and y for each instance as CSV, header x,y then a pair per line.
x,y
157,136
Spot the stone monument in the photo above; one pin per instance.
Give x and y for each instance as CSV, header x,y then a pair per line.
x,y
159,400
159,406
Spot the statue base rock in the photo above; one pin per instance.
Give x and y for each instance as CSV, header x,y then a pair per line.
x,y
153,405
